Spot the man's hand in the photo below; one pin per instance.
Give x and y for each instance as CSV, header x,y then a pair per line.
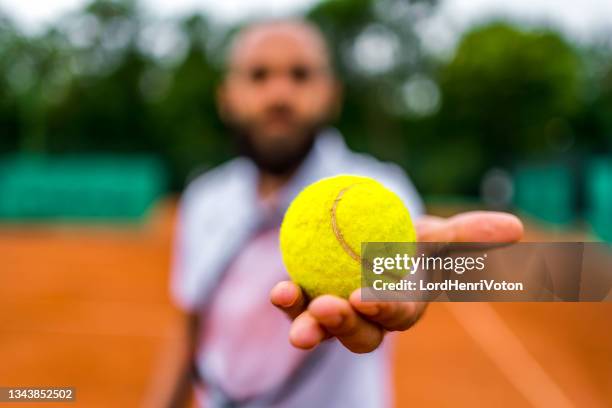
x,y
361,326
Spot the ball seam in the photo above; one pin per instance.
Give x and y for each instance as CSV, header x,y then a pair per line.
x,y
336,229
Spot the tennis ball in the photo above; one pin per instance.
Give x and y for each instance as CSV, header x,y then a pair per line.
x,y
323,228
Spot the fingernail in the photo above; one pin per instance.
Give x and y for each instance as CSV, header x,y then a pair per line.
x,y
288,300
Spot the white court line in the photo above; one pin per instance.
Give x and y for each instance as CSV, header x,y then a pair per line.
x,y
484,325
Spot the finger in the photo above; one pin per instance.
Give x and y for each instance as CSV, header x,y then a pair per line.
x,y
338,318
475,226
429,228
487,226
392,316
306,332
289,298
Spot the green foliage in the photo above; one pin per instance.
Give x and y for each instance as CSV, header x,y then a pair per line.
x,y
90,85
508,85
507,94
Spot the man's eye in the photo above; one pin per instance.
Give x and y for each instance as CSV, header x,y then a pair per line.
x,y
300,74
258,74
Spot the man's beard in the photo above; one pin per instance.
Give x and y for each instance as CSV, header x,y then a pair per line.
x,y
278,158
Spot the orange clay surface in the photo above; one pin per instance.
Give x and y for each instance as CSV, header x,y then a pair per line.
x,y
87,306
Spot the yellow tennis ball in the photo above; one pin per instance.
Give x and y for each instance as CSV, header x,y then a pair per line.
x,y
323,228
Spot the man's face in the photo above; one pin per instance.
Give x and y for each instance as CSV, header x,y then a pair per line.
x,y
278,92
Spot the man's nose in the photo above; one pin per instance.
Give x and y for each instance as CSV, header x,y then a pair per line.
x,y
280,87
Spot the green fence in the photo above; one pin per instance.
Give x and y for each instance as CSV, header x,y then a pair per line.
x,y
80,187
546,192
599,196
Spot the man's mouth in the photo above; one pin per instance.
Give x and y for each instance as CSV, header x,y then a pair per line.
x,y
275,121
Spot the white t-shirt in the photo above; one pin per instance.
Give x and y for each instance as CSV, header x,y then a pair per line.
x,y
226,261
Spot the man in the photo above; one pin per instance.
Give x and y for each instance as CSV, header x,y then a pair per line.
x,y
277,97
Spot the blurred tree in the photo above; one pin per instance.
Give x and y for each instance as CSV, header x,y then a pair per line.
x,y
595,118
9,109
33,78
602,110
507,94
189,131
376,50
103,109
111,78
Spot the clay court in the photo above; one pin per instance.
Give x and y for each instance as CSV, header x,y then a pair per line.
x,y
87,306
